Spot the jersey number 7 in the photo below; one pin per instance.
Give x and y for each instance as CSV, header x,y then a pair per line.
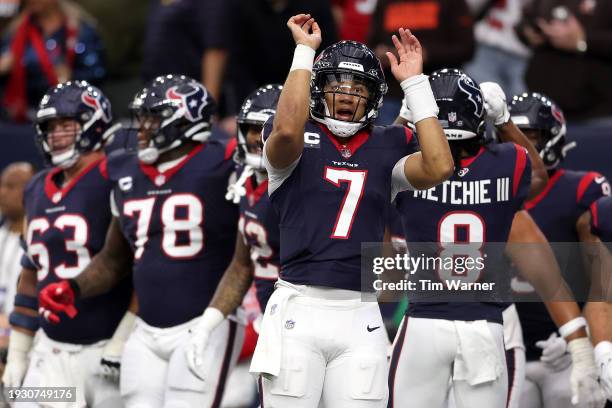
x,y
356,183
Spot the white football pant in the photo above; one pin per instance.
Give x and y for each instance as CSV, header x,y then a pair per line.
x,y
334,348
545,388
55,364
154,371
425,353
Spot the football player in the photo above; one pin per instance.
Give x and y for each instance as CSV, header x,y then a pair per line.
x,y
557,211
330,178
172,222
468,333
67,215
594,228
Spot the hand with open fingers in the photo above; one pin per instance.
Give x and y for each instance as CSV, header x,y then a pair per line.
x,y
554,353
586,391
495,103
55,298
195,350
410,54
305,30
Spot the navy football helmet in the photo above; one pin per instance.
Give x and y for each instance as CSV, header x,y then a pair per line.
x,y
82,102
182,106
462,113
337,66
256,109
534,111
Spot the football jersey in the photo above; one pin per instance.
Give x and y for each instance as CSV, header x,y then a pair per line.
x,y
258,225
66,227
556,210
475,206
336,197
601,219
180,227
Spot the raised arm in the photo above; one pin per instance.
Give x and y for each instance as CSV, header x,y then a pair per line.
x,y
497,111
434,163
286,141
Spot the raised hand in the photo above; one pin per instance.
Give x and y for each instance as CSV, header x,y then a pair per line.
x,y
410,56
305,30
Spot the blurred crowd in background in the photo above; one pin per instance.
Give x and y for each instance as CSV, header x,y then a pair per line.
x,y
562,48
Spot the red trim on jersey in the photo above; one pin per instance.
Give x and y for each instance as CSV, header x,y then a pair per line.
x,y
594,216
551,182
151,171
353,142
230,148
51,189
469,160
229,348
519,167
585,182
409,134
254,194
104,168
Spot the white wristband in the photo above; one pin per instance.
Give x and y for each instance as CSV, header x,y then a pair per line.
x,y
571,326
602,350
303,58
19,343
211,318
419,98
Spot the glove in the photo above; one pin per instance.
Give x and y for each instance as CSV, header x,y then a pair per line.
x,y
554,353
237,190
603,358
495,103
586,391
17,359
198,339
55,298
110,363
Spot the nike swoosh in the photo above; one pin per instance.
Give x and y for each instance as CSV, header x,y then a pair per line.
x,y
371,329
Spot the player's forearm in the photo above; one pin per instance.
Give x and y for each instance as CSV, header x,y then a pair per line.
x,y
286,140
599,316
27,322
509,132
101,275
437,161
232,288
213,65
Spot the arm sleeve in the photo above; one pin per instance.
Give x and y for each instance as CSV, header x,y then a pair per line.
x,y
591,188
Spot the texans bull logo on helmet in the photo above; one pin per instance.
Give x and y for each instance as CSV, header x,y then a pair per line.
x,y
191,97
467,86
95,102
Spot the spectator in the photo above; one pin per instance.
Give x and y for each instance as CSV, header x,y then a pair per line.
x,y
12,183
189,37
500,56
51,41
263,51
444,28
572,55
353,18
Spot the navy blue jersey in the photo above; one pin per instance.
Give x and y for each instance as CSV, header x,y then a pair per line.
x,y
475,206
396,229
556,210
336,198
601,219
66,228
258,225
180,227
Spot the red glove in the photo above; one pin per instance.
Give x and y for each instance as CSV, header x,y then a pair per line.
x,y
55,298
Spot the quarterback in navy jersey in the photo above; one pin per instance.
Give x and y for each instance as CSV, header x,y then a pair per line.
x,y
331,177
67,215
173,227
557,211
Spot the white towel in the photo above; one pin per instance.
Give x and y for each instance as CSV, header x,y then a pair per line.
x,y
477,360
268,352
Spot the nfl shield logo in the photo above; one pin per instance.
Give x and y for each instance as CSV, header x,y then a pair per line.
x,y
452,116
345,152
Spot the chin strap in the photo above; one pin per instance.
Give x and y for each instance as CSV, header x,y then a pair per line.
x,y
237,190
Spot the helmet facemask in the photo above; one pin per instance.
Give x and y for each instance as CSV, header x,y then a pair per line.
x,y
60,138
250,145
345,101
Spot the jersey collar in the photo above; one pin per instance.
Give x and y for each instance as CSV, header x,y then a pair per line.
x,y
254,193
467,161
353,143
56,194
160,178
